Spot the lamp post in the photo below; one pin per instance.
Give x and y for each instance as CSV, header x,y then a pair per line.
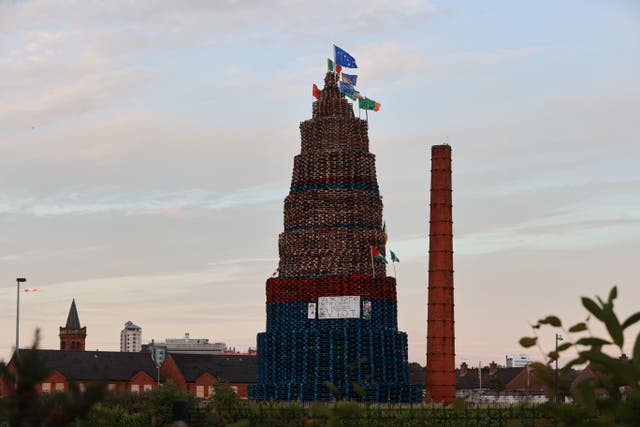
x,y
15,368
555,396
18,281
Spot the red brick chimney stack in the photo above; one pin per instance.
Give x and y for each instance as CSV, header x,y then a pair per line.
x,y
440,371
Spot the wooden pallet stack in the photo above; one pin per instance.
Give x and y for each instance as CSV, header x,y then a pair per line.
x,y
332,218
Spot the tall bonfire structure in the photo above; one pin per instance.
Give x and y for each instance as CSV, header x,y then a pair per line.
x,y
332,327
440,381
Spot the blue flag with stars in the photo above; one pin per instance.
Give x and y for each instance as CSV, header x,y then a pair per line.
x,y
343,58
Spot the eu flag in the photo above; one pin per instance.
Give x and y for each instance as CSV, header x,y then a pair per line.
x,y
343,58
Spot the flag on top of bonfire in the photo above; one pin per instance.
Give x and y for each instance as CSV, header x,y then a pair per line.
x,y
352,79
375,253
368,104
332,67
316,91
349,90
343,58
394,258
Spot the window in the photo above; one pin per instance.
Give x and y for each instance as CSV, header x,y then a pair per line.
x,y
82,386
199,391
135,388
234,388
147,387
111,387
212,391
59,386
46,387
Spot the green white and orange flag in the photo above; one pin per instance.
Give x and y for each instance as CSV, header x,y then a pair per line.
x,y
368,104
333,67
394,258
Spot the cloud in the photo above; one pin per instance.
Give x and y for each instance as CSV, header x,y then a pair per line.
x,y
123,201
477,62
147,150
176,22
396,64
89,93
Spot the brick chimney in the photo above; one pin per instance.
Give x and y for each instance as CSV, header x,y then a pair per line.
x,y
440,381
493,368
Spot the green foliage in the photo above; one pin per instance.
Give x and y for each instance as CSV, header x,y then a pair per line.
x,y
416,367
611,396
496,384
25,406
223,405
527,342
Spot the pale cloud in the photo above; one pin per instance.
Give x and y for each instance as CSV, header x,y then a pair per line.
x,y
396,64
173,21
473,62
83,96
122,201
148,150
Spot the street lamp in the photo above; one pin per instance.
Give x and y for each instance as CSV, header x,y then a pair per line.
x,y
555,397
18,281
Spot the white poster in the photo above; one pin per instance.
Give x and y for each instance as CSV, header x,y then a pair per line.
x,y
311,310
339,307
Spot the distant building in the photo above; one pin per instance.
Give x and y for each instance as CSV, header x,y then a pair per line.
x,y
517,360
131,338
189,345
72,336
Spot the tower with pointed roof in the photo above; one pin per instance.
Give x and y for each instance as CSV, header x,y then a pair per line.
x,y
332,328
72,335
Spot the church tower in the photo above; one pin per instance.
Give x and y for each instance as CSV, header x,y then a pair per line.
x,y
332,330
72,336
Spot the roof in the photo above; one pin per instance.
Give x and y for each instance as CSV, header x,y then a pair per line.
x,y
73,321
231,368
470,380
131,325
96,365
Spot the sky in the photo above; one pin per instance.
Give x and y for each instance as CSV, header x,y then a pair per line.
x,y
146,149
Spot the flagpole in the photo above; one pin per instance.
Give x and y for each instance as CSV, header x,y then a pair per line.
x,y
373,271
335,64
395,276
367,113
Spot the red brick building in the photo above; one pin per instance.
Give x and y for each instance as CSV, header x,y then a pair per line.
x,y
196,373
133,372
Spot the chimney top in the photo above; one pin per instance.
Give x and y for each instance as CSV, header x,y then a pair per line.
x,y
493,368
463,369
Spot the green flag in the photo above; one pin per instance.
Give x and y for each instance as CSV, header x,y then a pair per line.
x,y
394,258
368,104
330,65
381,259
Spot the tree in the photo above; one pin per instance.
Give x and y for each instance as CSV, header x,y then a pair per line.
x,y
612,395
24,406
